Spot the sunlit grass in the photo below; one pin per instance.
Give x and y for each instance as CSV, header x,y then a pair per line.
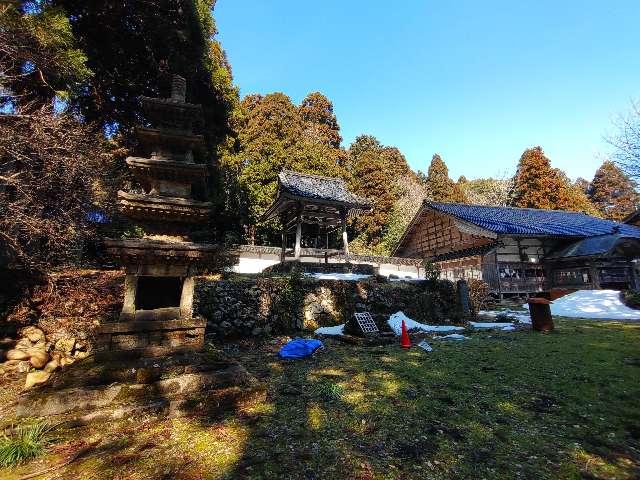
x,y
24,443
505,405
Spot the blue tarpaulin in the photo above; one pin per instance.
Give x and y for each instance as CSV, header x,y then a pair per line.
x,y
300,348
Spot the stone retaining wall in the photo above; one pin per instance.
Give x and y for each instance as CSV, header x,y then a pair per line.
x,y
283,305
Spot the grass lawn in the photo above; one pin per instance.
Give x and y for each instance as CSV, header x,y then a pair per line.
x,y
564,405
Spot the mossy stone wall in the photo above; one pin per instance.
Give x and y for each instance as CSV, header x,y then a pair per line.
x,y
284,305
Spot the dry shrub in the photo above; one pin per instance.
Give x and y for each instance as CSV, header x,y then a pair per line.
x,y
70,301
478,293
51,177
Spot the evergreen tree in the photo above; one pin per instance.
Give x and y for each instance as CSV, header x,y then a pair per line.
x,y
439,186
486,191
274,134
372,183
575,198
39,57
321,124
537,185
134,47
612,192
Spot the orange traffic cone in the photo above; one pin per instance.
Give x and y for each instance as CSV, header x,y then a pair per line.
x,y
404,339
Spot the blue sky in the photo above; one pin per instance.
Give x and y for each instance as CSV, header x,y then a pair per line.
x,y
476,81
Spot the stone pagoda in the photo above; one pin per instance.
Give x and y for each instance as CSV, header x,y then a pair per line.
x,y
157,315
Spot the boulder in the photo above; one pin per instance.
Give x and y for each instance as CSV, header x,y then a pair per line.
x,y
35,378
16,354
52,365
79,355
34,334
65,345
23,344
39,359
66,360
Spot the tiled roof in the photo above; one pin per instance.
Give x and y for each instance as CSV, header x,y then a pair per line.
x,y
598,245
529,221
320,188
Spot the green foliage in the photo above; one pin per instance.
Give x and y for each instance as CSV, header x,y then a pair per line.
x,y
381,174
291,301
274,134
330,391
26,443
486,191
370,181
612,192
42,40
439,186
632,298
431,270
439,302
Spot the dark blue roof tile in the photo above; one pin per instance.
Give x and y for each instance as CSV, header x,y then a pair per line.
x,y
533,222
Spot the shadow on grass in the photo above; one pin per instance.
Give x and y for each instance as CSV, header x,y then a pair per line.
x,y
501,405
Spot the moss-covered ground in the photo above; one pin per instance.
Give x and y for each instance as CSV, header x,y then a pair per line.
x,y
503,405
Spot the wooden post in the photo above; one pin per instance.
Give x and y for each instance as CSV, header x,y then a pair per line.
x,y
298,248
283,252
345,240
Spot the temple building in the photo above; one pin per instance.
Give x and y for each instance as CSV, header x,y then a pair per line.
x,y
521,251
321,204
166,202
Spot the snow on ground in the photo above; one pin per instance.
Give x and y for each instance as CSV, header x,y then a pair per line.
x,y
338,276
506,327
598,304
395,322
451,336
335,330
520,316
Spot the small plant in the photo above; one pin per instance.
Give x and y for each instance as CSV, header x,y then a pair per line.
x,y
431,270
631,299
331,391
25,443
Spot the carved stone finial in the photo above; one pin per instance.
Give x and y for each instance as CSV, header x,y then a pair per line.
x,y
178,88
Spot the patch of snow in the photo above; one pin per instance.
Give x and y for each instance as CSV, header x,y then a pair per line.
x,y
505,327
335,330
425,346
395,322
596,304
520,316
451,336
338,276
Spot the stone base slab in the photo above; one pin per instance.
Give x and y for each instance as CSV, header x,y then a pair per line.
x,y
152,337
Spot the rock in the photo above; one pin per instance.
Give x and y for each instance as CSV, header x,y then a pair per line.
x,y
39,359
23,344
34,334
65,344
52,366
79,355
23,366
17,355
35,378
66,360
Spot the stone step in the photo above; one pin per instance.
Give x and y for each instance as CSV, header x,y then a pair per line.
x,y
181,393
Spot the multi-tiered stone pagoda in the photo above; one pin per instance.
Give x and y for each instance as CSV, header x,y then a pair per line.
x,y
166,203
